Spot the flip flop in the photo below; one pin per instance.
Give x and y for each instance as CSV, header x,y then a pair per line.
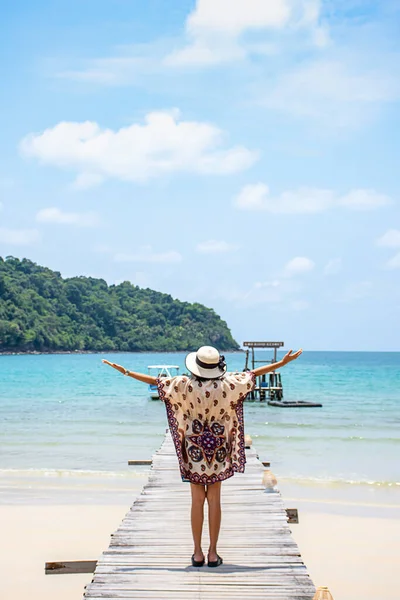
x,y
197,563
215,563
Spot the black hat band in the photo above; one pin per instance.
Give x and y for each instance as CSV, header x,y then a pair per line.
x,y
221,364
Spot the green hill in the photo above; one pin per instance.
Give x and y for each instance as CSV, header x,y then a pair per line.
x,y
39,310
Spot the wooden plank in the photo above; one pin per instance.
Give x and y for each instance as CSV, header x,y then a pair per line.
x,y
149,554
293,515
71,566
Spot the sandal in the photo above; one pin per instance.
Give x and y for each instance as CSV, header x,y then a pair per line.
x,y
215,563
197,563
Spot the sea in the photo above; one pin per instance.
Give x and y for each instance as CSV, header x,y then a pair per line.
x,y
69,424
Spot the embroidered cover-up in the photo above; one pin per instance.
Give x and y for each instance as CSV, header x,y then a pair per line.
x,y
206,423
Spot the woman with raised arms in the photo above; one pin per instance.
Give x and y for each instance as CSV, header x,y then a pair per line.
x,y
205,417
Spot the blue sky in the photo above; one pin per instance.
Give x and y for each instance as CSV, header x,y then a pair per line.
x,y
239,153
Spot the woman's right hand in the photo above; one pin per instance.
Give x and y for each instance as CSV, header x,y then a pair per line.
x,y
114,366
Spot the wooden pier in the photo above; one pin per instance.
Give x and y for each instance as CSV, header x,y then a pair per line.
x,y
149,554
270,387
267,388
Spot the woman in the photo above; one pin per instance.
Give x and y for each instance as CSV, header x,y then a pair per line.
x,y
205,416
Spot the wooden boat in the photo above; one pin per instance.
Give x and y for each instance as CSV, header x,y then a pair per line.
x,y
160,371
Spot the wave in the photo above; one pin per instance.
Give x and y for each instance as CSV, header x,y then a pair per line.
x,y
282,425
143,473
58,473
338,481
343,424
323,437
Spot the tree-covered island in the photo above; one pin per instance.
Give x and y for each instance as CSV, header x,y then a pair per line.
x,y
40,311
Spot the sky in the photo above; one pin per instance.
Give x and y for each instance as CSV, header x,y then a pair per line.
x,y
239,153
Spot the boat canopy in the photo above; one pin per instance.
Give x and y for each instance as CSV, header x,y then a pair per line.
x,y
163,367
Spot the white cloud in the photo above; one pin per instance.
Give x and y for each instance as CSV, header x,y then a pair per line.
x,y
390,239
56,215
394,263
333,266
85,181
364,200
303,200
252,197
215,247
147,255
202,54
163,144
19,237
216,32
235,16
214,28
256,197
336,89
298,265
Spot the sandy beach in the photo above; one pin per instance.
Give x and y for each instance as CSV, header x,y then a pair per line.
x,y
32,535
356,556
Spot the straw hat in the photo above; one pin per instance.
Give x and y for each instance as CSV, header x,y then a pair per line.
x,y
207,362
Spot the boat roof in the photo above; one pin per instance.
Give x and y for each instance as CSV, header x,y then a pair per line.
x,y
163,367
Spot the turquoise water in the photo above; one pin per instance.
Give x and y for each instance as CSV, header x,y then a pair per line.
x,y
70,415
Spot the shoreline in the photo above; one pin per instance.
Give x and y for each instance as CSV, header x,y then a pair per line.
x,y
57,352
50,487
236,351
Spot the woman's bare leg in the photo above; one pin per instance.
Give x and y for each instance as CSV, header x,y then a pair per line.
x,y
197,516
214,517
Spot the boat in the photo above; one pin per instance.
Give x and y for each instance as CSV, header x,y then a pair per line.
x,y
160,371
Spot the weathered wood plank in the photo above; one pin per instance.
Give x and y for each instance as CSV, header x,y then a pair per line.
x,y
71,566
149,554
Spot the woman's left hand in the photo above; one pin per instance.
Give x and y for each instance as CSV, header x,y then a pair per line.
x,y
114,366
291,356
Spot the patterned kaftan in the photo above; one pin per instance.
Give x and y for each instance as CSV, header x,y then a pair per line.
x,y
206,423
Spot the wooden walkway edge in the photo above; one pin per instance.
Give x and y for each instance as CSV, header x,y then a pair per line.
x,y
149,554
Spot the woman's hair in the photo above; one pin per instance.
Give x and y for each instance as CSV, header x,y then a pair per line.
x,y
202,379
